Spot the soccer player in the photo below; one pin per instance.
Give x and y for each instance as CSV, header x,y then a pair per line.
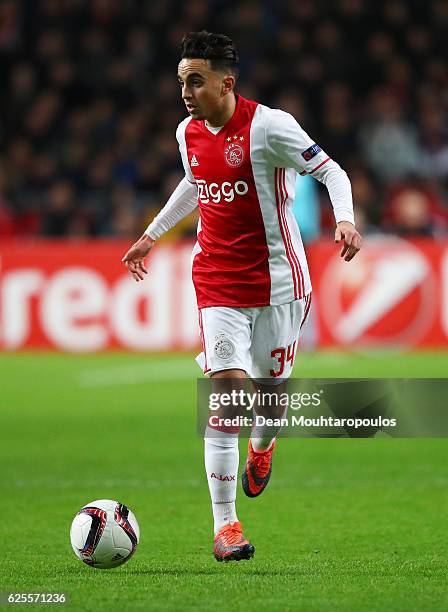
x,y
249,267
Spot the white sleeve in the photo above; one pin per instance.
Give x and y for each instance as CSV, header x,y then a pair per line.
x,y
289,146
183,200
180,136
339,189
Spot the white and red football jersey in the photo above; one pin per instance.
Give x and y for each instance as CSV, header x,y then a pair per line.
x,y
249,250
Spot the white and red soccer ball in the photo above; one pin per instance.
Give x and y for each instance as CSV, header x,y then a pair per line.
x,y
104,534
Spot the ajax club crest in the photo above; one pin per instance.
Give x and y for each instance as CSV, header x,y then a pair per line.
x,y
224,347
234,152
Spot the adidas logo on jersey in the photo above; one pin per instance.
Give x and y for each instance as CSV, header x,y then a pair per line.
x,y
194,161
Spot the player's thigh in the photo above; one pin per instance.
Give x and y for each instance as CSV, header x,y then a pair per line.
x,y
275,339
226,339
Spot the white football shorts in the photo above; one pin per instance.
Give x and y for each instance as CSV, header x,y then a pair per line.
x,y
261,341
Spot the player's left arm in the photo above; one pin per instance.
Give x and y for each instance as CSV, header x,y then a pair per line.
x,y
339,189
288,145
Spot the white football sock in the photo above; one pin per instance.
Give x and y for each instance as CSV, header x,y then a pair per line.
x,y
221,465
263,436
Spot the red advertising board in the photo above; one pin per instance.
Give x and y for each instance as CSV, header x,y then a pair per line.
x,y
393,294
78,297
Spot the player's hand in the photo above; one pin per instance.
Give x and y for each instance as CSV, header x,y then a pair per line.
x,y
347,232
134,259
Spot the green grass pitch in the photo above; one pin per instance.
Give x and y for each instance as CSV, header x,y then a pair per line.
x,y
345,525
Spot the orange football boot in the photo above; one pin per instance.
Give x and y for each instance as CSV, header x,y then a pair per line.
x,y
230,544
257,471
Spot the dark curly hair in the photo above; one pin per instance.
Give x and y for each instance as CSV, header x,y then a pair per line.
x,y
217,48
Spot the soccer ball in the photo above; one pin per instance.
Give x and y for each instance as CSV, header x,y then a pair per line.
x,y
104,534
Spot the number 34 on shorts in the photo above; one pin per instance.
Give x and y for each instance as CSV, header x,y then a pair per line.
x,y
284,356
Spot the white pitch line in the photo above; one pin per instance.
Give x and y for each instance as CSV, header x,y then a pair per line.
x,y
173,369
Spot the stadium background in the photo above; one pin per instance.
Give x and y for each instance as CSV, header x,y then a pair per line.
x,y
88,108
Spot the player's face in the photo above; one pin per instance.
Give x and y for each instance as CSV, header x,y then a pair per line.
x,y
203,89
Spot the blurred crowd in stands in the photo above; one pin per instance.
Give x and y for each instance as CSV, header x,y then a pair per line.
x,y
89,104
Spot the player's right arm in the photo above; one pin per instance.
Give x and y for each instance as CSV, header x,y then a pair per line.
x,y
182,202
